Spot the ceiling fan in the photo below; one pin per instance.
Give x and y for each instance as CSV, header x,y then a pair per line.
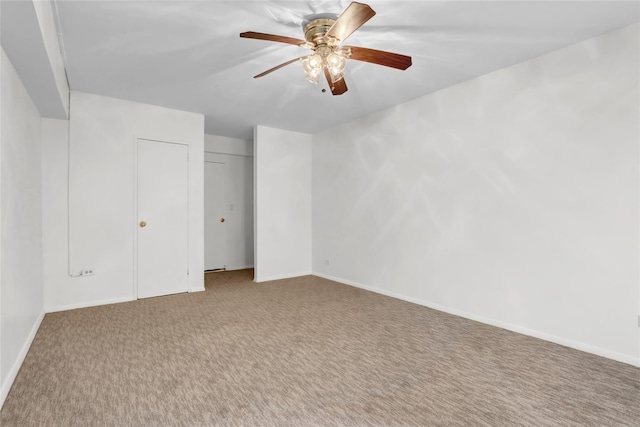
x,y
323,35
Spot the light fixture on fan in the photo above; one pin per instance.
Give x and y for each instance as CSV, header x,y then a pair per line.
x,y
323,34
312,66
333,61
326,56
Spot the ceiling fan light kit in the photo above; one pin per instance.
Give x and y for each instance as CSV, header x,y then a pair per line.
x,y
324,35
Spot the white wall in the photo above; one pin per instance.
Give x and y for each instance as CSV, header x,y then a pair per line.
x,y
282,174
2,74
511,198
54,206
101,179
21,293
237,155
225,145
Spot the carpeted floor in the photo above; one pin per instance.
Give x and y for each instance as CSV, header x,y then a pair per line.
x,y
304,352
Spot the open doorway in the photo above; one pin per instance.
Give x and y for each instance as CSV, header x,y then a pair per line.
x,y
228,204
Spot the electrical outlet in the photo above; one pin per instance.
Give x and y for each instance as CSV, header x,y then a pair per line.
x,y
327,262
87,272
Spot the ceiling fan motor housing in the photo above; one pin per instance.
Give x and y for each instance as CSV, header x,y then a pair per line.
x,y
315,30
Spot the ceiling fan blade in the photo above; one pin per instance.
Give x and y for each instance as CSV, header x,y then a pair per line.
x,y
337,88
352,18
277,67
380,57
272,38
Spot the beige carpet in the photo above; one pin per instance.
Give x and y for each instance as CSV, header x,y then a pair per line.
x,y
304,352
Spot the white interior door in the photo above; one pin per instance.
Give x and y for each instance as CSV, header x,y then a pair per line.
x,y
215,216
163,215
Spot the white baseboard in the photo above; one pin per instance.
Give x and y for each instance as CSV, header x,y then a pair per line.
x,y
88,304
504,325
13,373
197,290
281,276
239,267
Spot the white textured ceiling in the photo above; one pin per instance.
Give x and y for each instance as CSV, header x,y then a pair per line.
x,y
188,55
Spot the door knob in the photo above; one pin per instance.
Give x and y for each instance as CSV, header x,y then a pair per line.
x,y
221,219
143,224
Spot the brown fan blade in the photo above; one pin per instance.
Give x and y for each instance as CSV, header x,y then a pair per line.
x,y
337,88
277,67
352,18
272,38
380,57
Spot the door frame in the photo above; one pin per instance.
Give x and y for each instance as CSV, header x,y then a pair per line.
x,y
135,210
